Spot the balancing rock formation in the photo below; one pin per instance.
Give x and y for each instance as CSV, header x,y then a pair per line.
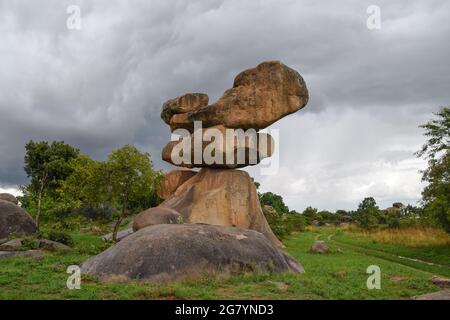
x,y
211,221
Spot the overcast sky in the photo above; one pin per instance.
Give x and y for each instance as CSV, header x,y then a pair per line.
x,y
102,86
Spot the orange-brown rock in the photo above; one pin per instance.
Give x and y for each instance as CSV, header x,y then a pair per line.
x,y
259,97
172,180
221,197
182,104
245,148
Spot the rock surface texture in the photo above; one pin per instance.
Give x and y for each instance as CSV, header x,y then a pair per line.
x,y
8,197
172,180
14,221
166,252
221,197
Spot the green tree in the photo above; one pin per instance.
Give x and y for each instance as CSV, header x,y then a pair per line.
x,y
368,213
310,213
274,200
46,165
436,150
131,176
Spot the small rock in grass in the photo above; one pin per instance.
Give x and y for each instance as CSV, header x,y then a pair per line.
x,y
319,247
441,282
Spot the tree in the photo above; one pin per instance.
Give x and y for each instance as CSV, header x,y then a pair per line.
x,y
310,213
131,176
368,213
274,200
436,150
46,164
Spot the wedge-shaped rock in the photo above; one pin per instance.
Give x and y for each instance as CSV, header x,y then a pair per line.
x,y
172,252
221,197
259,97
219,147
172,180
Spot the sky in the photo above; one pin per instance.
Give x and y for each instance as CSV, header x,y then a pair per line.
x,y
102,86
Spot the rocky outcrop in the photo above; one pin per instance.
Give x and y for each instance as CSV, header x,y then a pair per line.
x,y
165,252
14,221
172,180
259,97
157,215
8,197
221,197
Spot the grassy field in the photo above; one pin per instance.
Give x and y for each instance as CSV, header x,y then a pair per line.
x,y
340,274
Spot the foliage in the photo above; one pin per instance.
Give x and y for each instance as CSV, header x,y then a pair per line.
x,y
368,213
273,200
46,165
59,236
436,150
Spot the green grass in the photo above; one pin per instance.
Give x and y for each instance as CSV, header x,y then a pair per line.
x,y
434,254
340,274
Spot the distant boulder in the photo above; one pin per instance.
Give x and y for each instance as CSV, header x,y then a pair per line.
x,y
14,221
8,197
319,247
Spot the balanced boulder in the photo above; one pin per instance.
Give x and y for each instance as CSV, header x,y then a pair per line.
x,y
157,215
14,221
219,147
221,197
259,97
170,252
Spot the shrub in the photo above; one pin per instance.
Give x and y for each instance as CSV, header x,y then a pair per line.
x,y
59,236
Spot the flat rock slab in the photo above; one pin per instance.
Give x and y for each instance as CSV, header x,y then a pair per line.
x,y
27,254
440,295
173,252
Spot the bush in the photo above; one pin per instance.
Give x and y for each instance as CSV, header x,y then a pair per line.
x,y
59,236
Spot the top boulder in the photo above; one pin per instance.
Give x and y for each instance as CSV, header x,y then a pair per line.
x,y
259,97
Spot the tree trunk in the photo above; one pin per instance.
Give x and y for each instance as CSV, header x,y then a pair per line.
x,y
116,227
120,219
39,203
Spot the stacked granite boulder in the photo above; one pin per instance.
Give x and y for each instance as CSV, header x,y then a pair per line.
x,y
211,221
259,97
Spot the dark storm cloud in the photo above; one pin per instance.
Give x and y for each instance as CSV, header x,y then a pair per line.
x,y
102,86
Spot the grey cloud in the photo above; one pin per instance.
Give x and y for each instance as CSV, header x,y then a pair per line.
x,y
103,86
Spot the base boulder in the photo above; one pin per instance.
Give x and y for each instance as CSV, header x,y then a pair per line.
x,y
170,252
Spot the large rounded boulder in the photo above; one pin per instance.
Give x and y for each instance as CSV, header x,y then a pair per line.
x,y
14,221
172,252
